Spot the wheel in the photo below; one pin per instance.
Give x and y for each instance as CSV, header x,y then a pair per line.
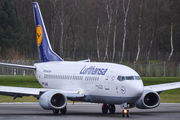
x,y
123,114
55,112
127,113
63,111
104,108
112,108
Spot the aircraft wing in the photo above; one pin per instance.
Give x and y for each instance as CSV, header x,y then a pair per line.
x,y
163,87
21,66
23,91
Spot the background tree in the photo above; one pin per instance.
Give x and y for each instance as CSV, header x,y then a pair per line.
x,y
13,33
101,30
125,10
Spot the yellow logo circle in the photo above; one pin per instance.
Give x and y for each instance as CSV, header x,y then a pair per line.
x,y
39,34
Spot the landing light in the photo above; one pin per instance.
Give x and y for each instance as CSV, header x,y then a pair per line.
x,y
80,93
125,111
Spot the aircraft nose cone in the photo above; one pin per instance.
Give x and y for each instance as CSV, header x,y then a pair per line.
x,y
137,89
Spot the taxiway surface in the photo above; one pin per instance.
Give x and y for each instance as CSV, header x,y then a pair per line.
x,y
30,111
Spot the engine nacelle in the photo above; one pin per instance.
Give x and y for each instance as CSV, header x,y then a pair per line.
x,y
51,100
148,100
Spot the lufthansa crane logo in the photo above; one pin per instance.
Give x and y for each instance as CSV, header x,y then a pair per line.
x,y
123,90
39,34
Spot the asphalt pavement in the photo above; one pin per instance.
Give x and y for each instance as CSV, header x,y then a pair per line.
x,y
82,111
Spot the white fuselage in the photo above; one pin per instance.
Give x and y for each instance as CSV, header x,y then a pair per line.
x,y
98,81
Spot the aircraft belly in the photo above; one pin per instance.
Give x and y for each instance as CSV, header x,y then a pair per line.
x,y
107,99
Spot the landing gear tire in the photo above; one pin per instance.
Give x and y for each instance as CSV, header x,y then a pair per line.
x,y
123,115
105,108
112,108
63,111
128,114
125,112
55,112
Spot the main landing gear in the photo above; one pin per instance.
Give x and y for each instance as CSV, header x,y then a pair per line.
x,y
112,109
63,111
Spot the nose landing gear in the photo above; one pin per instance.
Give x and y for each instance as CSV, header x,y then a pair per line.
x,y
125,112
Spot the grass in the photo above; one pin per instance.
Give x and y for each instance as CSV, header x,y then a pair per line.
x,y
159,80
19,81
170,96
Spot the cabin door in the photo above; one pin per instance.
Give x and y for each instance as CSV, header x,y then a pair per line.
x,y
107,80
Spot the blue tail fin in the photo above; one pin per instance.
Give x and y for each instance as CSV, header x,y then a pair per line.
x,y
45,52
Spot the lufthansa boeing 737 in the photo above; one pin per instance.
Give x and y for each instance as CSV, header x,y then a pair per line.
x,y
96,82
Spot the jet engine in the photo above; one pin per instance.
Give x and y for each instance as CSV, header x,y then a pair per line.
x,y
52,100
148,100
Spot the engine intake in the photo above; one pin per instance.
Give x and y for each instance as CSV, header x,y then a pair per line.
x,y
149,99
51,100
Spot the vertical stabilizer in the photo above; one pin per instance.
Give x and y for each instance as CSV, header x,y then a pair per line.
x,y
45,52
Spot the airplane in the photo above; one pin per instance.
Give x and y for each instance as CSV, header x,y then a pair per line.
x,y
95,82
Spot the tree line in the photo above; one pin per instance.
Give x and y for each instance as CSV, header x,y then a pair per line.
x,y
110,29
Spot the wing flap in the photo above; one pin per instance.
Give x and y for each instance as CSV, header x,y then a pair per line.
x,y
163,87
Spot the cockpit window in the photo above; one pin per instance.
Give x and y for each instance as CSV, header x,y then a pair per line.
x,y
122,78
119,78
137,77
129,78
